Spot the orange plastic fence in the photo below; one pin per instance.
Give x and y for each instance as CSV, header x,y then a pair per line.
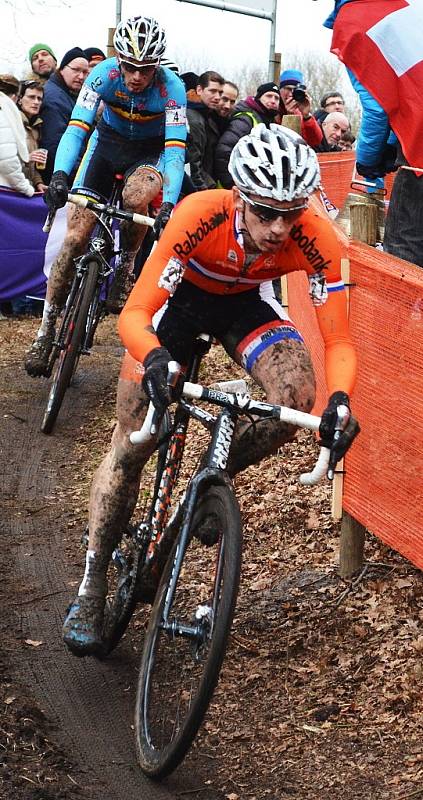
x,y
337,171
384,470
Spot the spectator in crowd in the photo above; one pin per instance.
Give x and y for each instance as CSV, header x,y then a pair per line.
x,y
331,101
247,114
190,81
333,127
29,102
60,93
43,62
9,85
346,141
94,56
13,147
291,79
228,99
203,122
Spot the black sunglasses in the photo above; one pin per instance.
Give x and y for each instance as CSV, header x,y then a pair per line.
x,y
131,68
269,213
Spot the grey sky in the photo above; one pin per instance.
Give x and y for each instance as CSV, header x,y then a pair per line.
x,y
228,40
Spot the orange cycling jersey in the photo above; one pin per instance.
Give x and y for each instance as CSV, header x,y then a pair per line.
x,y
203,244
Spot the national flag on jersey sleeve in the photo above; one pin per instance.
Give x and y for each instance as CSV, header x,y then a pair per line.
x,y
26,253
381,42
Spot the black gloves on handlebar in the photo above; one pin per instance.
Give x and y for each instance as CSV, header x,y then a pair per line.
x,y
333,434
56,195
162,219
156,380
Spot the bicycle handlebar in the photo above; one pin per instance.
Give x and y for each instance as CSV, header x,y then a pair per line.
x,y
300,419
111,211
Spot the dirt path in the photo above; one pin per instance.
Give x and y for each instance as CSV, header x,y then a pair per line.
x,y
89,702
320,696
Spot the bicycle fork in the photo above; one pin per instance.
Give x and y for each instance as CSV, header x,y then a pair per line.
x,y
212,474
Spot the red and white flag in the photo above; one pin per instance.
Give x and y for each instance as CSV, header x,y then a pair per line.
x,y
381,41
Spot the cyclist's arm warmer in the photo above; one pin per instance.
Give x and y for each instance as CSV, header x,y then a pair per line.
x,y
83,116
175,138
318,249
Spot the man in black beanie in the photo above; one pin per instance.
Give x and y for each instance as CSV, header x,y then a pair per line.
x,y
94,56
60,93
263,107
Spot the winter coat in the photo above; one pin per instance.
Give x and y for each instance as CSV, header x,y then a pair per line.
x,y
13,148
56,110
246,114
33,134
203,136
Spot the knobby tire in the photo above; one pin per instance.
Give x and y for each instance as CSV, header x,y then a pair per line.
x,y
177,675
69,355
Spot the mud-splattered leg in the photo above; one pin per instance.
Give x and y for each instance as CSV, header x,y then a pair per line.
x,y
141,188
115,486
80,225
285,372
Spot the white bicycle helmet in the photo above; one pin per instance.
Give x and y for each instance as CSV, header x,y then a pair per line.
x,y
141,38
274,162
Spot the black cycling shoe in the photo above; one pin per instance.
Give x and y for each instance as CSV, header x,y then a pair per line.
x,y
38,356
83,626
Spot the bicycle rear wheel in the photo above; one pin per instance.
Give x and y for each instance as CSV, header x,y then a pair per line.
x,y
72,339
184,649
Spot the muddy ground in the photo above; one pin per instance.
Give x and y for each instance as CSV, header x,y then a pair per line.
x,y
321,691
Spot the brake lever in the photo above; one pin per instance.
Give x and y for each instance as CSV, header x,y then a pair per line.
x,y
343,414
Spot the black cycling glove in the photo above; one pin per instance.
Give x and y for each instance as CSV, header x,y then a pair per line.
x,y
386,164
162,219
56,195
155,380
340,443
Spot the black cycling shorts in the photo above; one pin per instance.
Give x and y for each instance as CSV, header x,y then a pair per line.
x,y
107,154
245,323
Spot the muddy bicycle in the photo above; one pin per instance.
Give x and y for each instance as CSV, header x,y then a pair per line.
x,y
86,304
195,543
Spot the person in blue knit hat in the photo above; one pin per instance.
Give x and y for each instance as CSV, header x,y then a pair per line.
x,y
291,79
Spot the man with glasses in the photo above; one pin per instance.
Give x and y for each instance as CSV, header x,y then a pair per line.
x,y
212,272
141,134
60,94
330,101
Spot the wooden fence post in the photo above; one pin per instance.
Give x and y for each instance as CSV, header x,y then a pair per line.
x,y
110,48
351,546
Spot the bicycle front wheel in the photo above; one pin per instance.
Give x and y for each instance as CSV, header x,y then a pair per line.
x,y
187,636
73,338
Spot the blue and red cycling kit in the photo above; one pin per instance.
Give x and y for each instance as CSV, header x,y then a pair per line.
x,y
143,129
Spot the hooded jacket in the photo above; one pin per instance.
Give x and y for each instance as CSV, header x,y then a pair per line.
x,y
13,148
56,110
246,115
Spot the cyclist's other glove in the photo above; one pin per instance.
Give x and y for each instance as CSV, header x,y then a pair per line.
x,y
162,219
328,427
155,380
56,195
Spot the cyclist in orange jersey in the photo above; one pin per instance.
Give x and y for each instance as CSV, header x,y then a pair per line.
x,y
212,272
